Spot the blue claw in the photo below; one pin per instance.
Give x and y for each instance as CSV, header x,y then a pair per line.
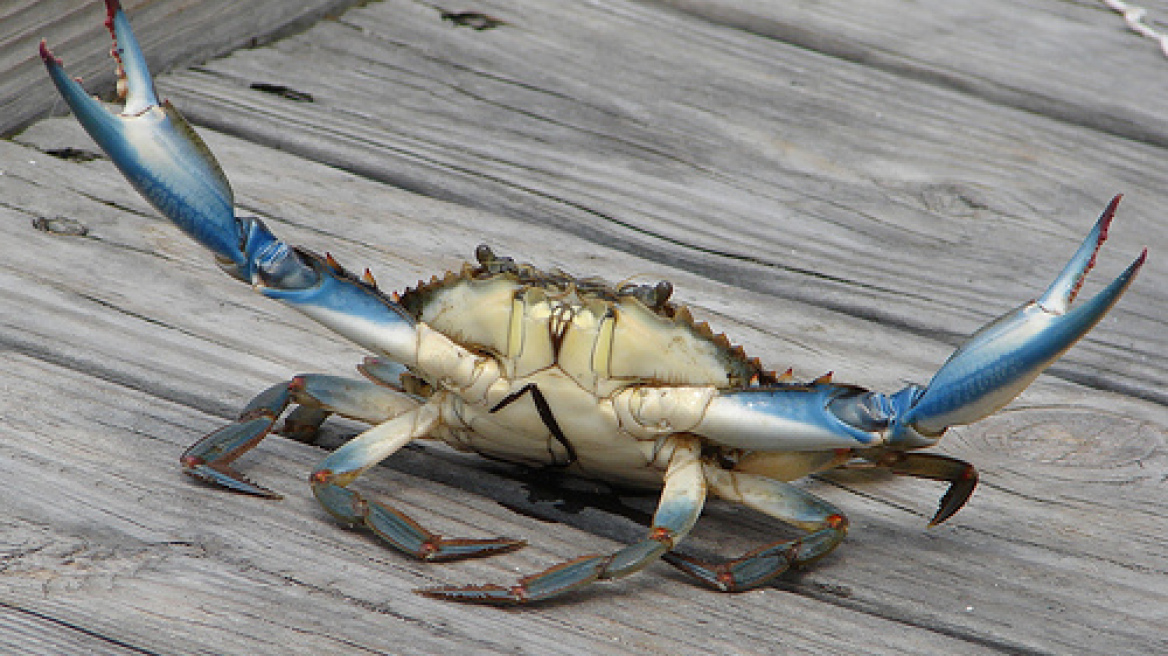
x,y
986,373
1004,357
155,148
166,161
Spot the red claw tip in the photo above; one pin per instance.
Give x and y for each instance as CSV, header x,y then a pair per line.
x,y
1108,217
47,55
1139,263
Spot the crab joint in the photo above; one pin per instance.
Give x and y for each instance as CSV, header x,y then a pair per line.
x,y
649,412
455,368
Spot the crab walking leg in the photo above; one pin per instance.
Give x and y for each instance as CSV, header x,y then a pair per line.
x,y
210,458
681,503
826,527
330,483
961,476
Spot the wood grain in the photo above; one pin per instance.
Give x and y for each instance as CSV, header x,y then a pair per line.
x,y
828,211
172,32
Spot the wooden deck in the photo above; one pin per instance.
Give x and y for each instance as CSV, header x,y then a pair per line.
x,y
846,186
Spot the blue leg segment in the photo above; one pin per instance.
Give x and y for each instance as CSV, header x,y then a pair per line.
x,y
318,395
210,458
330,485
681,504
826,527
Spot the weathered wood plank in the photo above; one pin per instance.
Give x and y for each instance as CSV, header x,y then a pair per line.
x,y
173,33
1072,61
868,581
826,215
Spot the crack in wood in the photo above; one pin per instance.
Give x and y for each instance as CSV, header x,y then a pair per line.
x,y
65,625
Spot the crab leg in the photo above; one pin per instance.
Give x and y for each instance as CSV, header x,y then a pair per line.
x,y
318,395
166,161
961,476
826,527
343,466
681,504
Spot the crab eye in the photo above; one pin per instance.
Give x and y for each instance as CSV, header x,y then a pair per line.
x,y
484,254
653,296
661,293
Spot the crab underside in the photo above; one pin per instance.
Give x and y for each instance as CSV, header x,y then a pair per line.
x,y
545,369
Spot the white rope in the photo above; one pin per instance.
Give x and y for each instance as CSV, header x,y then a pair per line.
x,y
1134,17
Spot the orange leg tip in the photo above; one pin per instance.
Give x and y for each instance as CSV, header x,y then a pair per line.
x,y
662,534
727,580
428,549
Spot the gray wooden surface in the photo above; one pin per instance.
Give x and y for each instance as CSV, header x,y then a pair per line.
x,y
838,186
173,33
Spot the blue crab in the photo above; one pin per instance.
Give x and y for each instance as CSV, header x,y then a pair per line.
x,y
543,368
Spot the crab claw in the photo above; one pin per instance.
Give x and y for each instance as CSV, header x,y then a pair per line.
x,y
154,146
166,161
1005,356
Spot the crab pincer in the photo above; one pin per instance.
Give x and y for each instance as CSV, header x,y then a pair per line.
x,y
169,164
153,145
1005,356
